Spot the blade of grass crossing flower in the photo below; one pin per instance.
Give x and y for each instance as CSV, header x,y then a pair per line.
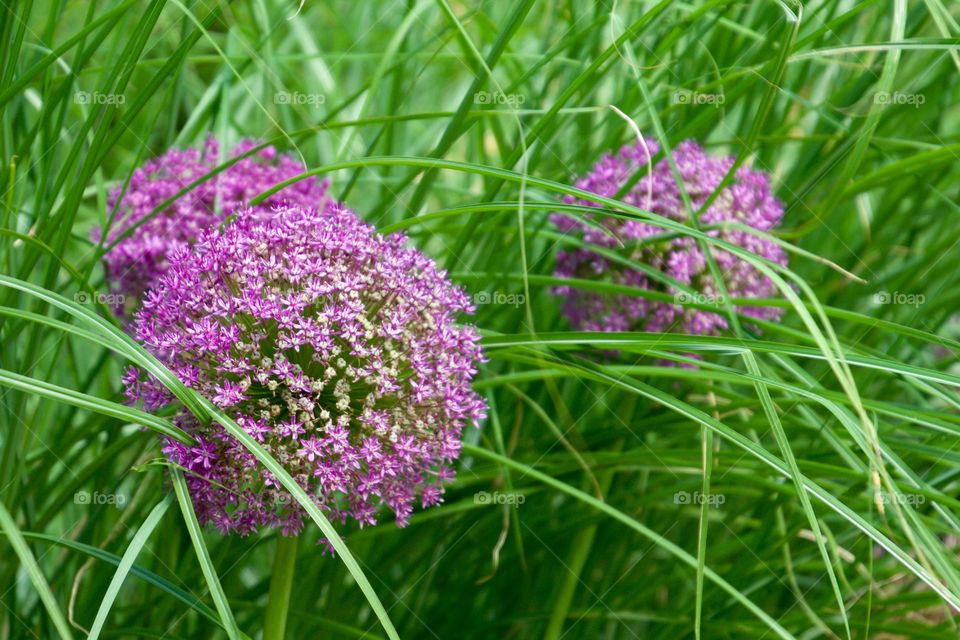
x,y
203,410
530,181
92,403
311,508
122,343
692,216
831,312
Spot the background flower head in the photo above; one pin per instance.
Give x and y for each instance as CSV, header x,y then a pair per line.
x,y
748,201
334,347
136,263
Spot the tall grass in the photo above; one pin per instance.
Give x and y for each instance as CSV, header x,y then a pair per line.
x,y
801,482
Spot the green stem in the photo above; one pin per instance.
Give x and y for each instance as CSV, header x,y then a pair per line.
x,y
281,583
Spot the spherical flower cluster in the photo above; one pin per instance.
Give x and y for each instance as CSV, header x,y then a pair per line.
x,y
332,346
747,201
135,264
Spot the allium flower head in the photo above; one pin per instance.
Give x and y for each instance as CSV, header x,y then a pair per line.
x,y
332,346
137,262
747,201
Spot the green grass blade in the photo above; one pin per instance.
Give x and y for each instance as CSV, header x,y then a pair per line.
x,y
136,545
33,571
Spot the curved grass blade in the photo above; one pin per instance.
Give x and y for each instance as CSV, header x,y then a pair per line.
x,y
92,403
30,565
204,411
126,563
136,570
651,535
599,373
787,452
311,508
203,556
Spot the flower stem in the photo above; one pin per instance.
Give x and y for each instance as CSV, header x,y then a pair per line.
x,y
281,583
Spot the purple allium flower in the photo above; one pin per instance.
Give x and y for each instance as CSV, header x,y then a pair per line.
x,y
332,346
748,201
137,262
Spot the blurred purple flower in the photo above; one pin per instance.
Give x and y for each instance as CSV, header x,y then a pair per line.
x,y
135,264
333,346
748,200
